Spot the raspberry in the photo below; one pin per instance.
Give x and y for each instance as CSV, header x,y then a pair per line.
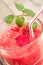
x,y
23,40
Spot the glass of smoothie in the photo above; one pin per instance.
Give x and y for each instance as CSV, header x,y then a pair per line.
x,y
18,47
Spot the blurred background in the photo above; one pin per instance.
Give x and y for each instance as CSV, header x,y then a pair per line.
x,y
8,7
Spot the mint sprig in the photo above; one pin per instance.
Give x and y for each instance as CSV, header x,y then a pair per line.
x,y
29,12
20,21
34,26
20,7
8,19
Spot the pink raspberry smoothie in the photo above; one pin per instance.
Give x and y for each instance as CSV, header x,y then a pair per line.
x,y
18,46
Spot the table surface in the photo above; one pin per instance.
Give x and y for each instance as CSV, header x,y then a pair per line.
x,y
8,7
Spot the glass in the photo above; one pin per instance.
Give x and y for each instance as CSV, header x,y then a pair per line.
x,y
28,54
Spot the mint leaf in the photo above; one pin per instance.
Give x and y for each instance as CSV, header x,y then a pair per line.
x,y
20,7
19,21
8,19
29,12
34,26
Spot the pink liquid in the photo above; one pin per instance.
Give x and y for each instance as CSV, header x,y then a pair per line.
x,y
18,47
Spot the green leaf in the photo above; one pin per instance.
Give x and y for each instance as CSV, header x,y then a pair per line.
x,y
34,26
8,19
29,12
19,21
20,7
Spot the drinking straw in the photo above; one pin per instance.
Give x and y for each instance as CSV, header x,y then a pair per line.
x,y
32,21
